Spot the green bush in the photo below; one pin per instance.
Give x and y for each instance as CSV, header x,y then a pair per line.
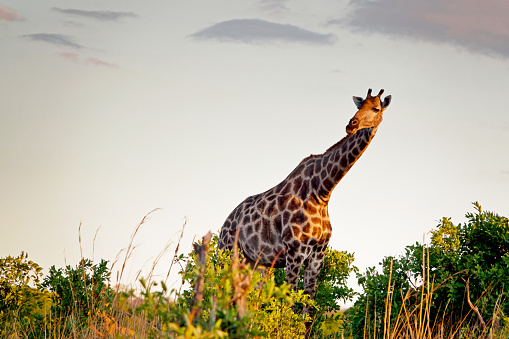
x,y
331,289
434,280
270,308
78,293
23,308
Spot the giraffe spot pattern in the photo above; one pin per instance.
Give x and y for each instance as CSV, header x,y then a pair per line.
x,y
310,208
344,161
293,204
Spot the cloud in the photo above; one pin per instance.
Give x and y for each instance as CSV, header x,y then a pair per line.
x,y
275,8
8,14
478,26
70,56
255,31
99,15
75,57
54,39
98,62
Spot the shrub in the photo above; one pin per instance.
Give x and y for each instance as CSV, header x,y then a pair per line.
x,y
78,293
23,308
268,310
331,289
459,281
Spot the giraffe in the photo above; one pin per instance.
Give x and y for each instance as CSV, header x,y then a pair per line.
x,y
292,219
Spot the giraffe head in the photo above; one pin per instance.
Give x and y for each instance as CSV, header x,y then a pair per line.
x,y
370,112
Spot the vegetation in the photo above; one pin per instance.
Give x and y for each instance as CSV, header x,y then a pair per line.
x,y
455,287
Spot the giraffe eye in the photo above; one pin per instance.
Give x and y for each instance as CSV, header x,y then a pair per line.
x,y
376,110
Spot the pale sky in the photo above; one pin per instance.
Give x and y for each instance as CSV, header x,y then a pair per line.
x,y
110,109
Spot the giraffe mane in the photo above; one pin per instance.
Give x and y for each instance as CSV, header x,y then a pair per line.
x,y
330,149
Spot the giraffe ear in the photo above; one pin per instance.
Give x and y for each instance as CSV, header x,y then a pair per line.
x,y
386,102
358,102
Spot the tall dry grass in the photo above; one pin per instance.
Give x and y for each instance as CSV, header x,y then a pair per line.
x,y
414,320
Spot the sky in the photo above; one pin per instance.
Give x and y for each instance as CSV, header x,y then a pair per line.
x,y
112,109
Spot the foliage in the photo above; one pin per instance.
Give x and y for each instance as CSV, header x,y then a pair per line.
x,y
270,308
276,317
79,292
472,257
331,288
453,287
22,307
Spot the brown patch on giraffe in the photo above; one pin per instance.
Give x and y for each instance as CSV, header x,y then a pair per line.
x,y
282,200
316,221
296,231
278,224
271,197
249,229
318,166
315,183
295,245
271,209
328,184
314,232
303,193
307,228
286,216
309,208
336,156
308,172
297,218
344,161
324,174
351,158
297,184
293,204
237,212
258,226
287,235
356,151
286,189
233,228
247,219
303,237
363,144
265,223
334,171
317,233
254,241
266,234
242,235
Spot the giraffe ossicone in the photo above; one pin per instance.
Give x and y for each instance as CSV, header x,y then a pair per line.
x,y
292,217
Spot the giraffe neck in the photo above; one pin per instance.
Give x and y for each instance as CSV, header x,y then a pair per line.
x,y
330,167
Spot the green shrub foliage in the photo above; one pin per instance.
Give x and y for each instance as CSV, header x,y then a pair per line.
x,y
22,307
474,255
79,292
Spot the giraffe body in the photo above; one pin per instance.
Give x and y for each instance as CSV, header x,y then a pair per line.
x,y
292,219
